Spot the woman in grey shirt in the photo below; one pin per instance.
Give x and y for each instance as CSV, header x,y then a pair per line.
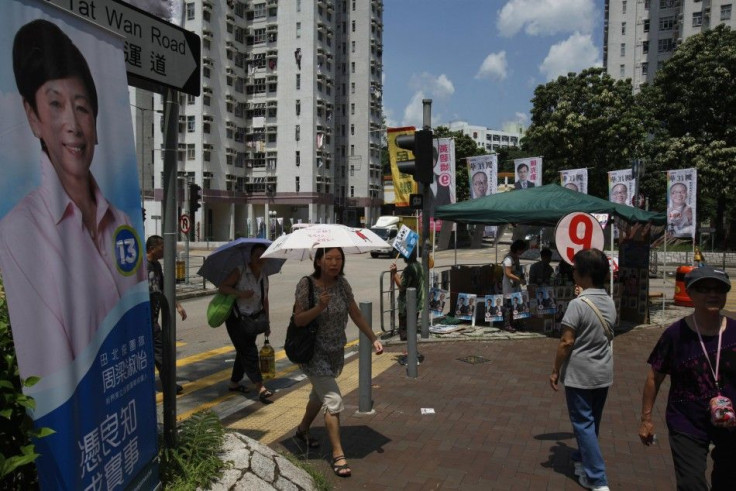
x,y
584,363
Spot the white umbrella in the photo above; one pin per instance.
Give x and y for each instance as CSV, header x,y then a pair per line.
x,y
300,243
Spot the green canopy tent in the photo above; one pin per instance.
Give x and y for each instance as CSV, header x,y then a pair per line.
x,y
543,206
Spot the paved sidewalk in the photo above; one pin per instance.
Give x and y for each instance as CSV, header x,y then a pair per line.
x,y
496,424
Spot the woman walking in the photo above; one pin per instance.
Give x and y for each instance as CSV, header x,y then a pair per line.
x,y
331,303
249,285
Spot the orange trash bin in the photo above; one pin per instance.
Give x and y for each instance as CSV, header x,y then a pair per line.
x,y
681,297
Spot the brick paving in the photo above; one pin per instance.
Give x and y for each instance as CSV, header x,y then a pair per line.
x,y
497,425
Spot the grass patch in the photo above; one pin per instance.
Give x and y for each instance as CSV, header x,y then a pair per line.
x,y
320,481
195,462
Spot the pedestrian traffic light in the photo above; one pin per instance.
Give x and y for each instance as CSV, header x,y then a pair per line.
x,y
420,144
195,196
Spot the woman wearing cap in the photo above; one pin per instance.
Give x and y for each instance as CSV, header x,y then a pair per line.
x,y
697,382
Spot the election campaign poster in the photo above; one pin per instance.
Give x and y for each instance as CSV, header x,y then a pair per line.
x,y
621,186
72,249
405,241
546,303
465,307
482,175
527,172
437,301
682,188
520,305
575,180
494,308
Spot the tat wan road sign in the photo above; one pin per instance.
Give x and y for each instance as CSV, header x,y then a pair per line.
x,y
156,52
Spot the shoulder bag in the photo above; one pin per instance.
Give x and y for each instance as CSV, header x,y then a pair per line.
x,y
299,344
219,309
253,324
606,326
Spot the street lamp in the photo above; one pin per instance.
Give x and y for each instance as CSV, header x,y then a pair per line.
x,y
141,143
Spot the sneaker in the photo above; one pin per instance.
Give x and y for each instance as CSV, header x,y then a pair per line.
x,y
583,480
578,468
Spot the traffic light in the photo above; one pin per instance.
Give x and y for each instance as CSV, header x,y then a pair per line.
x,y
195,196
420,144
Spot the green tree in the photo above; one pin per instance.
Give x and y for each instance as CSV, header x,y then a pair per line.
x,y
585,120
691,109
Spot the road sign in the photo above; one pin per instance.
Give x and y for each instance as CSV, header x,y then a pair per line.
x,y
575,232
157,53
185,224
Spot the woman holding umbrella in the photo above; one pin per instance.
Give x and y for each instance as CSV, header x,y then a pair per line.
x,y
249,284
332,303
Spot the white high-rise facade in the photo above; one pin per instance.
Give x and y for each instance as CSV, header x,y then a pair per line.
x,y
487,138
288,124
639,35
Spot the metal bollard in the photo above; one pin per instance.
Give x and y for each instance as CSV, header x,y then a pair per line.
x,y
411,332
365,367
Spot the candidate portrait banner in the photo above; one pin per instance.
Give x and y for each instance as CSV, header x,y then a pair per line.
x,y
404,184
527,172
682,188
72,249
482,175
575,179
621,186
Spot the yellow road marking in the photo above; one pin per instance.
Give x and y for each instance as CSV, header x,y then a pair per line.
x,y
179,344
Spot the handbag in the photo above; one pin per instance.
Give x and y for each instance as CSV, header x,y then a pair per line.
x,y
299,344
219,309
255,323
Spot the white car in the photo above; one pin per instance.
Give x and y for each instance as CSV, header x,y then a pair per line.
x,y
387,234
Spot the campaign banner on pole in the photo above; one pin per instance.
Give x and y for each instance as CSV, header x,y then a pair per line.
x,y
443,186
404,184
482,175
682,188
621,186
527,172
72,249
575,179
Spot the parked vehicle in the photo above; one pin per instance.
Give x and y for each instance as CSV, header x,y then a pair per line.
x,y
388,234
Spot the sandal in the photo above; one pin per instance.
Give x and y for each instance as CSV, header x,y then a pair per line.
x,y
341,470
264,397
303,436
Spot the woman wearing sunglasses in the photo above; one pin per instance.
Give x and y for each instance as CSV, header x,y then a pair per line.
x,y
698,352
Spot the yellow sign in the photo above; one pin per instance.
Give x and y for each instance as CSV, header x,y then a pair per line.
x,y
404,184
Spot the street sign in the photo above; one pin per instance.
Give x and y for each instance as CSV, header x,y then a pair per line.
x,y
185,224
157,53
575,232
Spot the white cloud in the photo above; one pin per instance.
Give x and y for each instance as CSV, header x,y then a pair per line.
x,y
494,67
413,112
520,120
439,86
572,55
546,17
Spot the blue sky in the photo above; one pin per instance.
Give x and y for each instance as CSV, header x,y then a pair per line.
x,y
480,60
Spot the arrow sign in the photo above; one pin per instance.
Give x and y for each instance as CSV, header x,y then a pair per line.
x,y
156,52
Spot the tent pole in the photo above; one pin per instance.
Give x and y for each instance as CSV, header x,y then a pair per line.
x,y
664,269
610,230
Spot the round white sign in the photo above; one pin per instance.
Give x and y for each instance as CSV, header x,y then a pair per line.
x,y
575,232
184,223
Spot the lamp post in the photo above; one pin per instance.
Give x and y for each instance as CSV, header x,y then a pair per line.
x,y
271,217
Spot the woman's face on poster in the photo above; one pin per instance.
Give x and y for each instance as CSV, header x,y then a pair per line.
x,y
64,119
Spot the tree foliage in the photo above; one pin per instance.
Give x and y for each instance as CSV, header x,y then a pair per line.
x,y
691,113
585,120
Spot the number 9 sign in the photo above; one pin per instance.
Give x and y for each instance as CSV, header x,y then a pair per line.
x,y
576,232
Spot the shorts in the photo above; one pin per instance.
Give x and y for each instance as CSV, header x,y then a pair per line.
x,y
326,391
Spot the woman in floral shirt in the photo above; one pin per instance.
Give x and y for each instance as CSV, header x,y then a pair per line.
x,y
332,303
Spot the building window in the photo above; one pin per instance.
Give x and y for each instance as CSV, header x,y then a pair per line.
x,y
353,26
352,67
297,132
190,124
623,49
623,28
296,183
352,46
298,30
352,87
190,99
298,5
622,71
697,19
298,158
352,150
645,47
666,23
623,7
644,69
352,130
190,151
259,10
298,107
259,36
298,81
664,45
352,188
352,108
646,25
726,12
206,128
190,11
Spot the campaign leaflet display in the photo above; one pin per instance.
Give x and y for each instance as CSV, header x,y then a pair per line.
x,y
494,308
545,300
72,249
437,301
520,305
465,308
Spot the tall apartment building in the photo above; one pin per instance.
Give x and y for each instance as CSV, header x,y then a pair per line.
x,y
288,125
486,138
640,35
